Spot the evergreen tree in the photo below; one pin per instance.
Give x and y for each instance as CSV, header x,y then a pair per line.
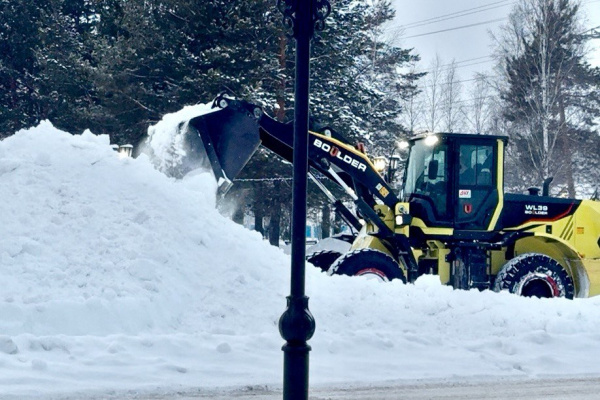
x,y
44,64
164,54
65,58
19,67
546,76
117,66
356,85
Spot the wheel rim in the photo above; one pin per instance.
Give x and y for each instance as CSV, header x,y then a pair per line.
x,y
373,273
538,285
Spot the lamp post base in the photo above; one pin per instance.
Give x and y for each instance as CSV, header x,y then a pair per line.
x,y
296,326
295,367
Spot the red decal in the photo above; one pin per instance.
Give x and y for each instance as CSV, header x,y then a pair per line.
x,y
556,218
334,151
468,208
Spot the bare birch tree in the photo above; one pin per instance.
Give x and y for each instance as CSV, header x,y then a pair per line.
x,y
412,107
451,98
478,112
433,94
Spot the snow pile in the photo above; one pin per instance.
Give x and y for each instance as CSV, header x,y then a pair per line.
x,y
117,277
101,255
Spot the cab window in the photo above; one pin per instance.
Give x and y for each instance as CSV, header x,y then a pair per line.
x,y
476,163
427,176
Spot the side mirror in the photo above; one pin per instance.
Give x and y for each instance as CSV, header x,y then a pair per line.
x,y
432,170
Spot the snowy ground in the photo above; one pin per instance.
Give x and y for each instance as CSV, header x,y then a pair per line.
x,y
117,278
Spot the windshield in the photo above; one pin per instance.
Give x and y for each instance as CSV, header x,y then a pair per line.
x,y
426,174
426,167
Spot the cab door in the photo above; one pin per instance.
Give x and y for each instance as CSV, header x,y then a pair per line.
x,y
475,190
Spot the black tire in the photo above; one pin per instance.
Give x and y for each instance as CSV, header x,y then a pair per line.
x,y
323,259
534,275
367,262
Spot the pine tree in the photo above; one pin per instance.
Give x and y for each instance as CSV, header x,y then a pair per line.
x,y
19,67
65,58
45,64
356,85
162,55
547,74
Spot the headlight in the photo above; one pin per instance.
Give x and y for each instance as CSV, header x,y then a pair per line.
x,y
379,164
431,140
403,219
403,145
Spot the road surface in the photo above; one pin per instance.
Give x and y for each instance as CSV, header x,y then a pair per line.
x,y
587,388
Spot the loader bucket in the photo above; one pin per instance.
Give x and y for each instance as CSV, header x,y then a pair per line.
x,y
229,136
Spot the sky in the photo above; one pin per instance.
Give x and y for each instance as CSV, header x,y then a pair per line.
x,y
120,282
471,45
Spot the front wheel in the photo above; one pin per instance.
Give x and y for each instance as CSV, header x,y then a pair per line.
x,y
534,275
369,263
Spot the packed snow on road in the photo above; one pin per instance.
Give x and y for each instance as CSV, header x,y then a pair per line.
x,y
119,278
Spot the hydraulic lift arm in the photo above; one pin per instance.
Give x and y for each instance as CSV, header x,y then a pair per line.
x,y
233,133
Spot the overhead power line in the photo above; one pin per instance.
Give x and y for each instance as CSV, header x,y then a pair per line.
x,y
465,61
456,28
441,84
465,12
461,64
462,13
471,64
459,14
444,16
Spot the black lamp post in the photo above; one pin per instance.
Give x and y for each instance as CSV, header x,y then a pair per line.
x,y
394,163
297,325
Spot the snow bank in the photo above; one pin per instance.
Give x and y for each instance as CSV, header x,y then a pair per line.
x,y
117,277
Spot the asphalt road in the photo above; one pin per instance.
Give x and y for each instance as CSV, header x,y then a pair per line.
x,y
587,388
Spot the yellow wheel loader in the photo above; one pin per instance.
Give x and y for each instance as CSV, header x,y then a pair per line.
x,y
451,216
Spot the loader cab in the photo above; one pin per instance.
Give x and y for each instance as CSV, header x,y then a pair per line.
x,y
455,180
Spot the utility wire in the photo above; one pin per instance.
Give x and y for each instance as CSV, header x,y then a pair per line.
x,y
456,14
464,61
465,12
412,26
457,63
449,66
456,28
441,84
471,102
459,14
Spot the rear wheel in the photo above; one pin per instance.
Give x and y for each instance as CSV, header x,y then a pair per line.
x,y
367,262
323,259
535,275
